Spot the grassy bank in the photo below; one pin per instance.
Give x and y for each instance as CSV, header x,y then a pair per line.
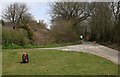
x,y
111,45
54,62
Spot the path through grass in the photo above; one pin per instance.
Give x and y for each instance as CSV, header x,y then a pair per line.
x,y
54,62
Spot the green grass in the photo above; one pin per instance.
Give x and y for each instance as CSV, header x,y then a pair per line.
x,y
9,46
54,62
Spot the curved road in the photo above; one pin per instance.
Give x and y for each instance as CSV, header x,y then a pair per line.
x,y
88,47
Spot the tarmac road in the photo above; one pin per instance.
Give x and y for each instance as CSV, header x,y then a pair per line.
x,y
89,47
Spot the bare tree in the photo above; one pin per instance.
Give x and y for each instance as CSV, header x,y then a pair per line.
x,y
16,12
62,32
101,22
116,10
75,11
115,6
19,16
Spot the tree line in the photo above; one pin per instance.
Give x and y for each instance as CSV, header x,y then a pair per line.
x,y
102,18
99,21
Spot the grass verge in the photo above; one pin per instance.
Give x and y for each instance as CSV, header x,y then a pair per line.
x,y
14,46
54,62
111,45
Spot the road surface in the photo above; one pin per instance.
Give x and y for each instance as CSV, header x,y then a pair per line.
x,y
88,47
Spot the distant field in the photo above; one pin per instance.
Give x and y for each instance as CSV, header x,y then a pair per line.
x,y
54,62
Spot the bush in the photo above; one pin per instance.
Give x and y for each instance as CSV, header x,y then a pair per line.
x,y
62,31
12,36
10,46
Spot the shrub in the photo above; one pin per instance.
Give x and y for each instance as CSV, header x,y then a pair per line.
x,y
63,31
10,46
12,36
